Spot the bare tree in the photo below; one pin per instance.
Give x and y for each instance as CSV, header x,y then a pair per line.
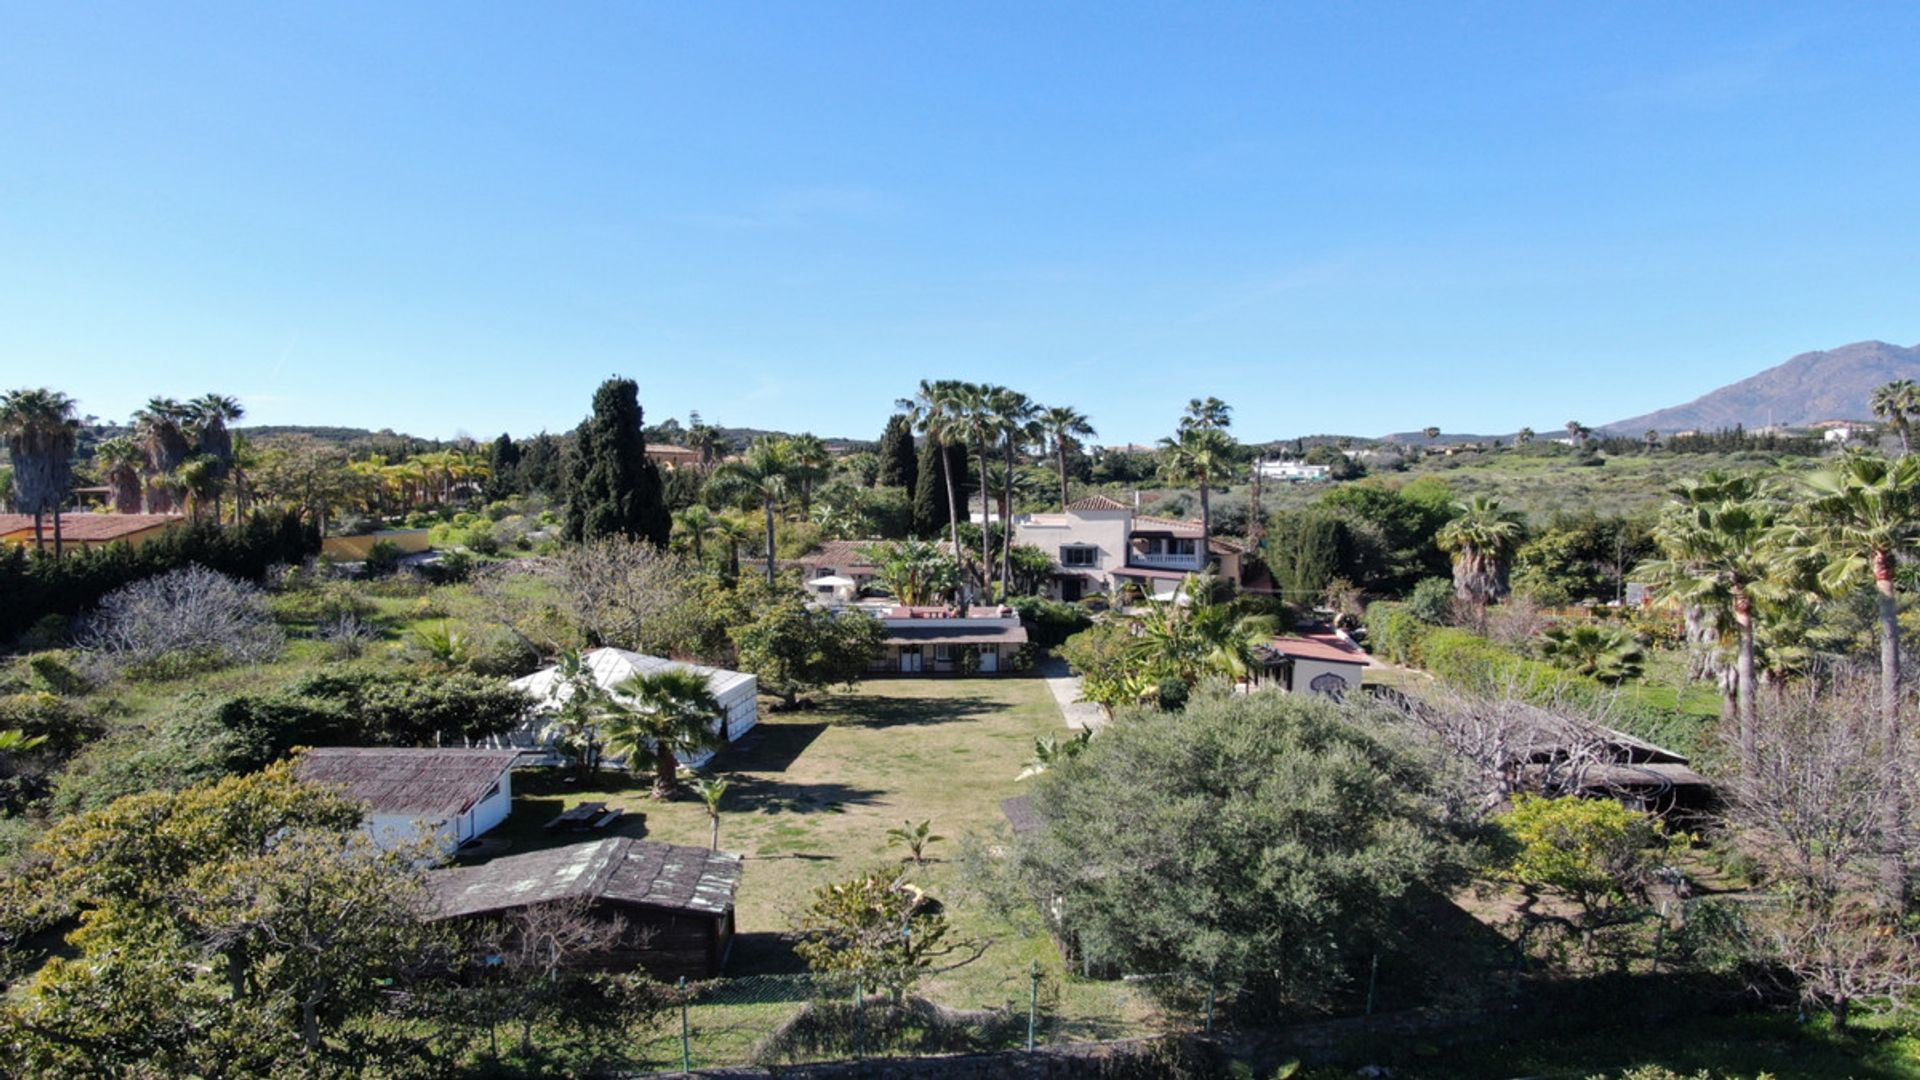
x,y
541,955
185,618
614,591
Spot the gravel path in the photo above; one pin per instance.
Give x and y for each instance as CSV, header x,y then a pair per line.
x,y
1065,687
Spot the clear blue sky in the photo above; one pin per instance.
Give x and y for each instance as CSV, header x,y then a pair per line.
x,y
1358,218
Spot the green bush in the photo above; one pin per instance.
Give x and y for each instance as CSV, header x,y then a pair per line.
x,y
1431,601
382,559
1394,633
1050,622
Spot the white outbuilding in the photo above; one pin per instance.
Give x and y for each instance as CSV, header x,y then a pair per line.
x,y
448,793
736,691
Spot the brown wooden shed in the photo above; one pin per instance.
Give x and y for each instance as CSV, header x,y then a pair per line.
x,y
677,901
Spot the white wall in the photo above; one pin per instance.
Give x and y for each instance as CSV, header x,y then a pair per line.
x,y
1305,671
1102,529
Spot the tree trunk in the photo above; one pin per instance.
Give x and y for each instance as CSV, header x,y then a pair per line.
x,y
716,832
769,503
986,520
1883,584
666,772
56,532
310,1024
1206,521
1060,448
1743,618
953,497
1006,530
39,532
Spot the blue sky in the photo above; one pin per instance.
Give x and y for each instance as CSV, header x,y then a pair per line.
x,y
1359,218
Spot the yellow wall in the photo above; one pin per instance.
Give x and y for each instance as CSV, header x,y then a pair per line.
x,y
24,538
357,548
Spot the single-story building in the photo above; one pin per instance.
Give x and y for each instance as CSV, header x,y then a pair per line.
x,y
676,902
359,548
453,793
86,530
670,456
1317,662
736,691
849,559
941,641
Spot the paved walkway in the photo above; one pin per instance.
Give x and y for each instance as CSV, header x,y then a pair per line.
x,y
1065,687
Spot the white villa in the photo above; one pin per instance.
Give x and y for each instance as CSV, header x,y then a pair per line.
x,y
1100,545
1294,472
736,691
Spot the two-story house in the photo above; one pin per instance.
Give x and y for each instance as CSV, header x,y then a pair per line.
x,y
1100,545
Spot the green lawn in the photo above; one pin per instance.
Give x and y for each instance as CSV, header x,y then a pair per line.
x,y
814,792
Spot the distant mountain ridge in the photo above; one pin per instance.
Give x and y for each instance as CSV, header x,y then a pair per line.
x,y
1836,384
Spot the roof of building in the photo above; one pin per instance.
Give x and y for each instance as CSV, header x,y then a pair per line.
x,y
429,782
620,869
1148,524
1328,648
611,667
1152,572
670,450
1021,815
1097,502
842,555
89,528
955,632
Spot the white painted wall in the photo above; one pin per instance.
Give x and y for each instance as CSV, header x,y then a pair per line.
x,y
1305,671
1103,529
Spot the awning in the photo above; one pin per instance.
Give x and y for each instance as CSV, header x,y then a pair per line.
x,y
832,581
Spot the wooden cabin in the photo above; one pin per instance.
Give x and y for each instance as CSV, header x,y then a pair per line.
x,y
676,902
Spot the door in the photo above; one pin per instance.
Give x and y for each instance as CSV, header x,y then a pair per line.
x,y
1070,588
910,660
989,659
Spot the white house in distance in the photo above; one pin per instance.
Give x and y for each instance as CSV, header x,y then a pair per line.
x,y
410,794
736,691
1100,544
933,641
1294,472
1315,662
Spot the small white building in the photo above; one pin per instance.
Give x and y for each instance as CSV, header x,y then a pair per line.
x,y
940,641
1295,472
411,794
736,691
1314,663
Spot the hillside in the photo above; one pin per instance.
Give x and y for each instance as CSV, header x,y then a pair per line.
x,y
1831,385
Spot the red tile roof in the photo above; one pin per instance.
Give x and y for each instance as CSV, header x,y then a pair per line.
x,y
1175,526
1330,648
1097,502
92,528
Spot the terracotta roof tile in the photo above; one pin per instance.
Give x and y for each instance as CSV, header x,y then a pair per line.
x,y
91,528
1097,502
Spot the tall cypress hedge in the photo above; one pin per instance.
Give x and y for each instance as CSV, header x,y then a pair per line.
x,y
612,489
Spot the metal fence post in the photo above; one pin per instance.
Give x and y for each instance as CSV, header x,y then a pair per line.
x,y
1033,1003
686,1041
1373,982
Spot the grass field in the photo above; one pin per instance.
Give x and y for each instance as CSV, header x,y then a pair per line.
x,y
813,794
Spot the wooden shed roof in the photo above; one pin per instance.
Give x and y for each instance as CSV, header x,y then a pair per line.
x,y
434,782
619,869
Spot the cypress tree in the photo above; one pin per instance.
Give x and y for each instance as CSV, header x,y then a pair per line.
x,y
898,465
930,511
612,489
504,463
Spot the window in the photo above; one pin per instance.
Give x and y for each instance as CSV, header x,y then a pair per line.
x,y
1079,555
942,653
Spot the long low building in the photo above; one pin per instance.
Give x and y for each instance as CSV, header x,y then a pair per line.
x,y
736,691
922,641
675,902
88,530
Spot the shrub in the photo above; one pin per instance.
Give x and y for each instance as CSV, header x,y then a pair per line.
x,y
1050,622
382,559
183,620
1395,633
1432,601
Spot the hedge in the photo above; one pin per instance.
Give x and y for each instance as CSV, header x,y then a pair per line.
x,y
34,586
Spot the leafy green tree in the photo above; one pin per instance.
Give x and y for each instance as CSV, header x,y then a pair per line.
x,y
1432,601
1595,852
1303,551
795,648
1388,532
899,465
1264,840
1482,538
612,488
1610,654
917,572
881,932
657,718
503,464
1105,657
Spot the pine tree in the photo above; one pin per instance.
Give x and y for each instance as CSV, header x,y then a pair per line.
x,y
899,467
930,516
612,489
503,465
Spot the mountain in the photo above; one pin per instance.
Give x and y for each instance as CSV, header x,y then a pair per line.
x,y
1832,385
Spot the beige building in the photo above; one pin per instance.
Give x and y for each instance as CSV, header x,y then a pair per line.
x,y
1100,545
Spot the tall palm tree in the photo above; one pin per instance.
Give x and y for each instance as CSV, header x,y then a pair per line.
x,y
709,441
161,428
1723,555
41,431
1208,413
763,474
659,717
1018,419
1896,403
1199,455
972,406
934,414
733,531
1577,432
1859,514
811,464
208,417
917,572
120,460
1065,426
1482,538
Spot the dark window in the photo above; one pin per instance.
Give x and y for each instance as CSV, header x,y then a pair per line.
x,y
1079,556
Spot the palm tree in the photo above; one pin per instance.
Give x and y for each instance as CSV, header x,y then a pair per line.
x,y
1859,514
584,708
1190,641
972,406
1065,426
1652,438
1577,432
198,479
41,431
762,474
712,790
658,717
1523,436
1018,420
696,523
1610,654
207,418
917,572
1199,455
1896,403
1210,413
1722,555
1431,433
811,464
934,414
734,531
160,427
1482,538
709,441
120,460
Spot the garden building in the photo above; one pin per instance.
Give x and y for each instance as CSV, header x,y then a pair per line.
x,y
928,641
736,691
412,794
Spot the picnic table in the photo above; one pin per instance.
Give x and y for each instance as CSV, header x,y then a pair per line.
x,y
587,815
